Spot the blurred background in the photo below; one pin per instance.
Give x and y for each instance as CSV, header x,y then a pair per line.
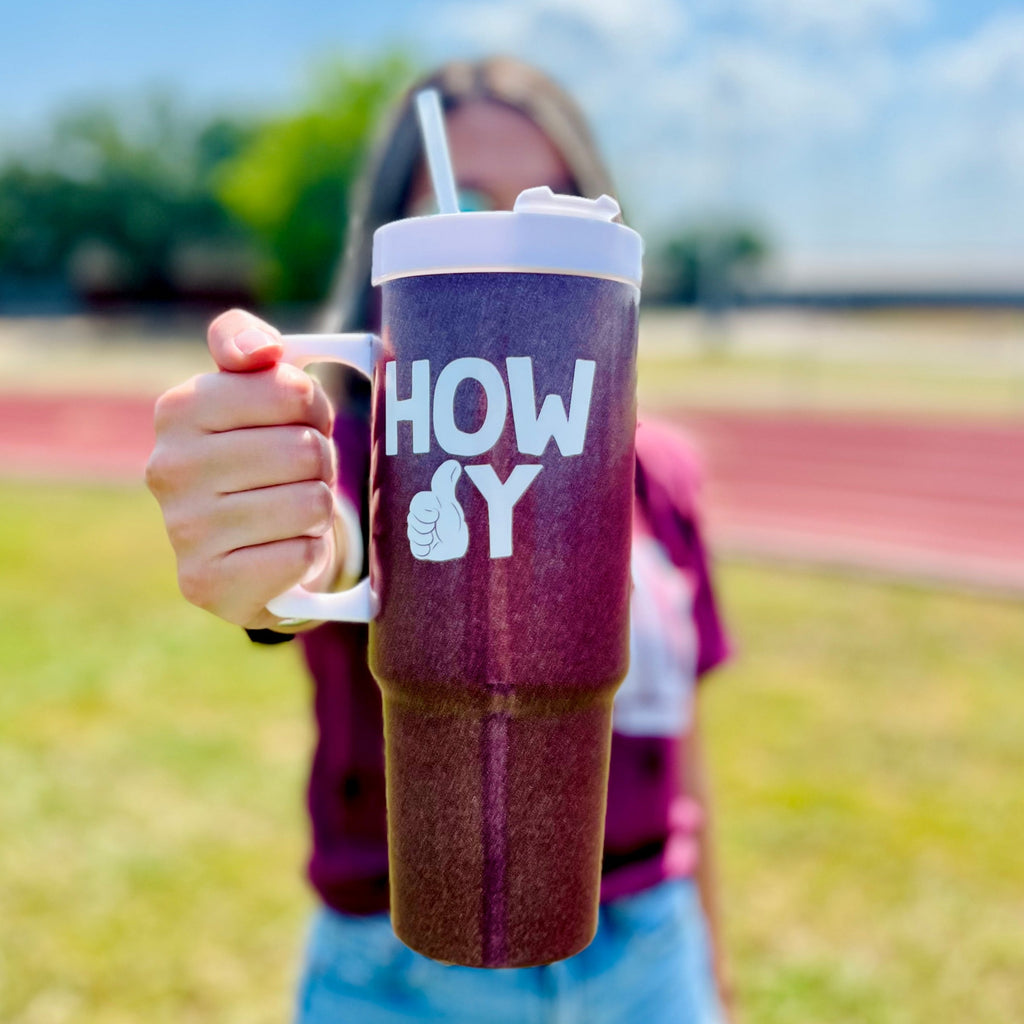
x,y
832,197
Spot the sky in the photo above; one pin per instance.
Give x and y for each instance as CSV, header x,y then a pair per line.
x,y
877,129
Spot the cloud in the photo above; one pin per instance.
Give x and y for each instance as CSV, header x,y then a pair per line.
x,y
828,120
758,90
969,97
518,25
837,20
641,22
606,52
988,62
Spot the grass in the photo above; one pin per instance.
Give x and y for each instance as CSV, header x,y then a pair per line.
x,y
867,758
867,748
152,767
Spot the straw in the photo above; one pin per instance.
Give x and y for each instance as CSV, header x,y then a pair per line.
x,y
428,107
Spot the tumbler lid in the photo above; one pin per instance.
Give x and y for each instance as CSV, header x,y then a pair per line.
x,y
545,233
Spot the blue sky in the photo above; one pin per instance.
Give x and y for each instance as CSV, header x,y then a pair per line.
x,y
876,127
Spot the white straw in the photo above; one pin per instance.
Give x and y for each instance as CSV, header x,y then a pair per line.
x,y
428,107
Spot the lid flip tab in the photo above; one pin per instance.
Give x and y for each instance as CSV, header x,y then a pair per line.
x,y
542,200
545,233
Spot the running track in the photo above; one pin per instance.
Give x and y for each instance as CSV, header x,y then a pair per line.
x,y
935,500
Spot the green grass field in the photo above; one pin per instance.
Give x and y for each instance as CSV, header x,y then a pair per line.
x,y
866,745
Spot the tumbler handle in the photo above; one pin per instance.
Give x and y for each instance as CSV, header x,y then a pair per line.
x,y
359,603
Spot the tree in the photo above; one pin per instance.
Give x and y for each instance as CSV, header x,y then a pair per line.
x,y
138,199
703,265
115,195
289,183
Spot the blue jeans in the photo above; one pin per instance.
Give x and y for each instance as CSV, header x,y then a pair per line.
x,y
649,963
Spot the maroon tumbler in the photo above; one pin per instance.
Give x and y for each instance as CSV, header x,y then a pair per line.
x,y
501,499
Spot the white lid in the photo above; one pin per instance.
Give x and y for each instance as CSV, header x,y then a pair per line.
x,y
545,233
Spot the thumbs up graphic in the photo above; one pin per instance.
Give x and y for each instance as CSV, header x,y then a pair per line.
x,y
436,525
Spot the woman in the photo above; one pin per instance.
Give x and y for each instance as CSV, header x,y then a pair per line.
x,y
287,510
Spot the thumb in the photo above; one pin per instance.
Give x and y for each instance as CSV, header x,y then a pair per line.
x,y
442,484
241,342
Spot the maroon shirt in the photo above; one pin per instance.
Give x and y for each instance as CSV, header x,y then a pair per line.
x,y
651,826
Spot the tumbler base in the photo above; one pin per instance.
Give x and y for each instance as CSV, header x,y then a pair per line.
x,y
496,829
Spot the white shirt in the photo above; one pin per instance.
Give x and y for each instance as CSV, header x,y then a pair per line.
x,y
656,697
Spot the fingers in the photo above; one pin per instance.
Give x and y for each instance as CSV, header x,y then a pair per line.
x,y
421,546
424,508
241,342
237,585
247,460
421,523
251,518
212,528
216,402
244,469
192,470
422,537
237,551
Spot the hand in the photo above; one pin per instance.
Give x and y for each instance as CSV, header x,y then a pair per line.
x,y
244,470
436,526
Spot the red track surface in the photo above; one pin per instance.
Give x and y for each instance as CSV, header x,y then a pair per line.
x,y
80,437
940,499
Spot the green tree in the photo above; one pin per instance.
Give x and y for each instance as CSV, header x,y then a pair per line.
x,y
290,182
703,265
132,181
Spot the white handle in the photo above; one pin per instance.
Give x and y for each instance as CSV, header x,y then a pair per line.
x,y
360,603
